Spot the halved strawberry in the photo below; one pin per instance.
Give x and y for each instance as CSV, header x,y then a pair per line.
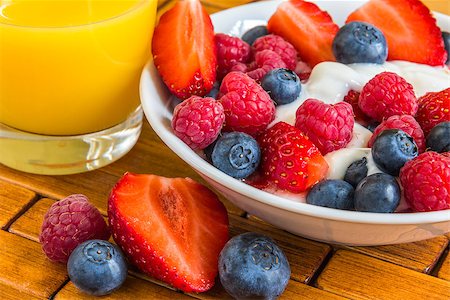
x,y
410,29
184,51
310,30
172,229
290,159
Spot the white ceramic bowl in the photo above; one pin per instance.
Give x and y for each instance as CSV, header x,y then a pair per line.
x,y
315,222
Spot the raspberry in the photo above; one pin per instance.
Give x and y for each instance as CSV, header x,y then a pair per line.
x,y
265,61
239,67
279,45
434,108
406,123
68,223
352,98
290,159
330,127
197,121
426,182
230,50
248,108
387,94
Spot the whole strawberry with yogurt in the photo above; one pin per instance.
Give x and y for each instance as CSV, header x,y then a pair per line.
x,y
290,159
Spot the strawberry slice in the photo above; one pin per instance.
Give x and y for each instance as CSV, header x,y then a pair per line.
x,y
410,29
172,229
310,30
184,51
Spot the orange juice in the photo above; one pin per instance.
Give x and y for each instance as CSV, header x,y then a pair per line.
x,y
70,67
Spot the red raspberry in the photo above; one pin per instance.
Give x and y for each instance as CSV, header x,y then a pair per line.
x,y
265,61
330,127
434,108
406,123
248,108
230,50
239,67
352,98
387,94
290,159
68,223
197,121
426,182
279,45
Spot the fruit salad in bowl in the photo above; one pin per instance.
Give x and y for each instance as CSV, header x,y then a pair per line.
x,y
320,118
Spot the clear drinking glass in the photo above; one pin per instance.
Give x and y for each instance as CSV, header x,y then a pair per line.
x,y
69,81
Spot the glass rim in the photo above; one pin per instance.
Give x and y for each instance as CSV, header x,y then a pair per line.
x,y
133,8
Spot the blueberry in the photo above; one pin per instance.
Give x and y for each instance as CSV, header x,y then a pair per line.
x,y
236,154
439,137
214,91
97,267
283,85
372,125
359,42
446,38
252,266
334,193
356,172
392,149
378,192
254,33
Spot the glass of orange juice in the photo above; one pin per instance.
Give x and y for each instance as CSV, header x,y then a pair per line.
x,y
69,81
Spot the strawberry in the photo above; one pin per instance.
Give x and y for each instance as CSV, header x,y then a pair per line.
x,y
410,29
310,30
290,159
184,51
172,229
434,108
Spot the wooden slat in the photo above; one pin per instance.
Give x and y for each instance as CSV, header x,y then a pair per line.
x,y
29,224
149,155
444,271
358,276
420,256
296,290
133,288
24,267
13,199
7,292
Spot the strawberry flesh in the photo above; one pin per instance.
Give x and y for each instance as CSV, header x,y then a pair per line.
x,y
310,30
410,30
172,229
184,51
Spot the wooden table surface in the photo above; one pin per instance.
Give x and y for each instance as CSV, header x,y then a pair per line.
x,y
418,270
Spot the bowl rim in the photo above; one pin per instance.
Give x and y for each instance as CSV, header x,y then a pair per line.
x,y
195,161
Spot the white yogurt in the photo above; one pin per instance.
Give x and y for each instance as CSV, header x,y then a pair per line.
x,y
331,81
